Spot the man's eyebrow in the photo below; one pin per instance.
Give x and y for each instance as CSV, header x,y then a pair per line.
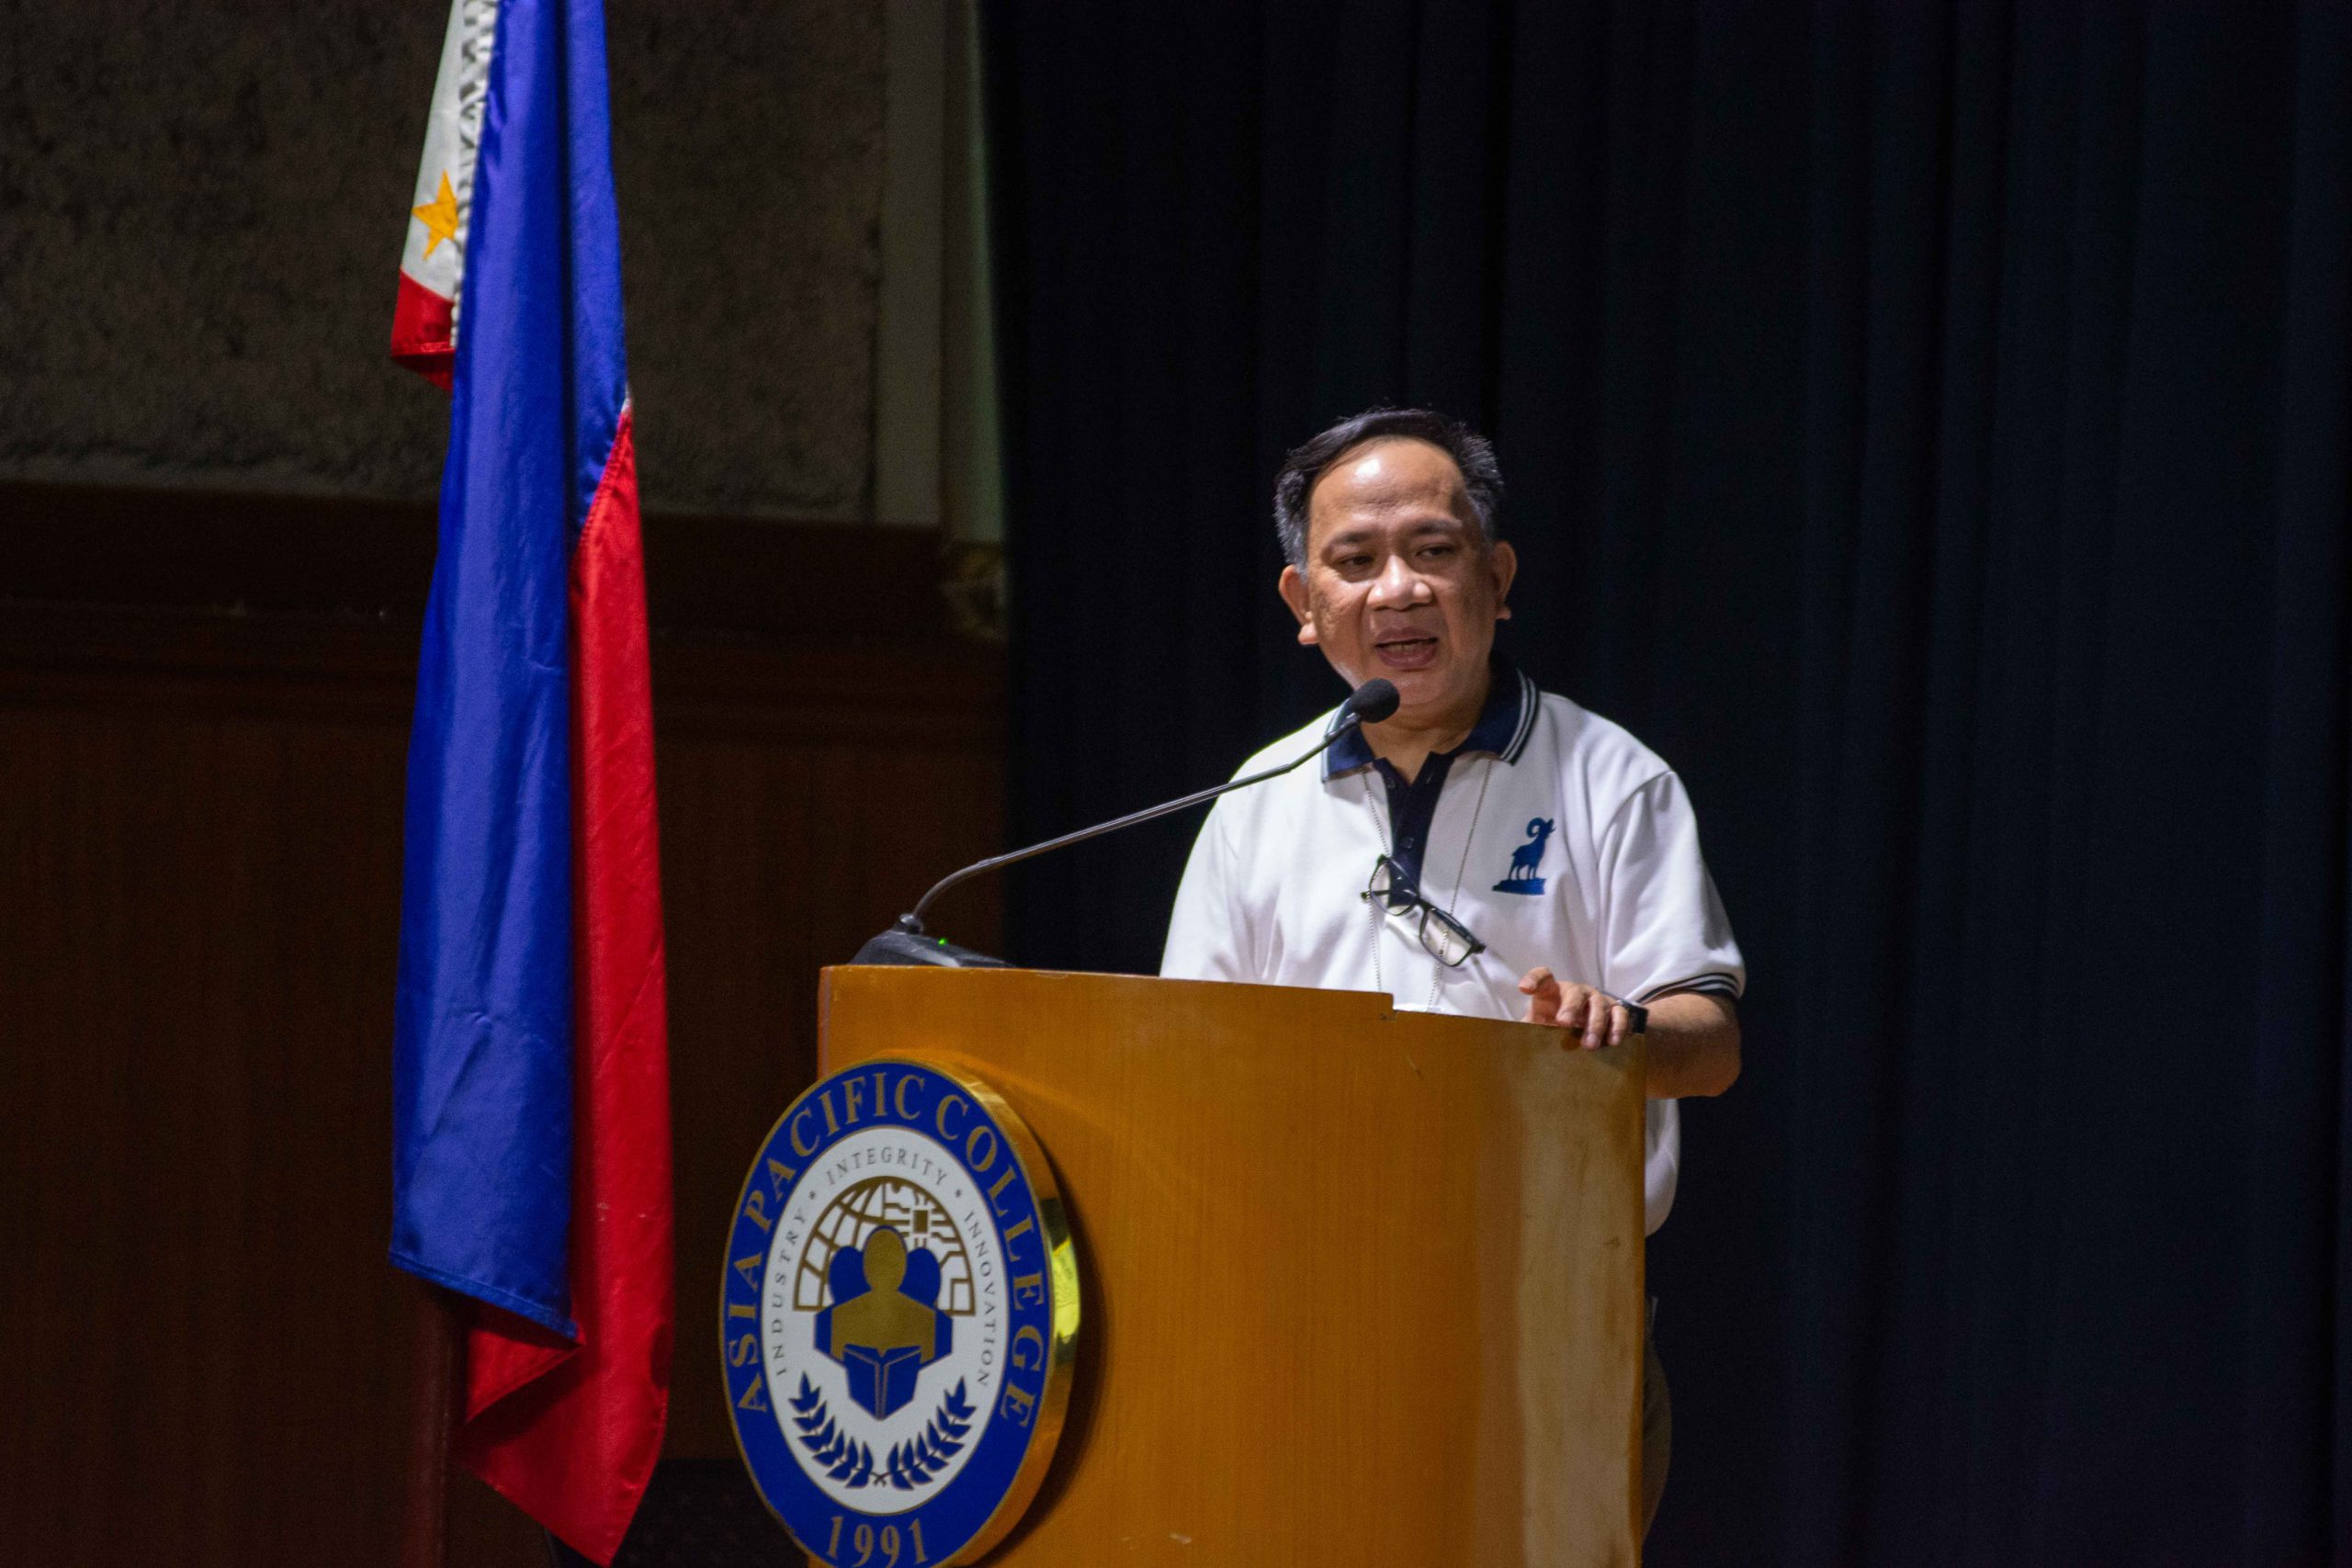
x,y
1436,523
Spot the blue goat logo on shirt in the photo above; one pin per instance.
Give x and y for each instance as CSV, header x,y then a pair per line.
x,y
1528,858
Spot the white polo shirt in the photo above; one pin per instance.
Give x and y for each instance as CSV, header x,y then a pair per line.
x,y
1555,837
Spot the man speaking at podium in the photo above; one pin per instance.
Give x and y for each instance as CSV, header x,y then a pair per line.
x,y
1488,848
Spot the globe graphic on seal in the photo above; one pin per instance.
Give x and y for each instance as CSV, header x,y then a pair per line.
x,y
865,1207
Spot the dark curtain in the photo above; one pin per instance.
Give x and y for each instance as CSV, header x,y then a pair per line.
x,y
1925,424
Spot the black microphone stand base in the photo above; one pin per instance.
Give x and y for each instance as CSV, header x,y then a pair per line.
x,y
899,945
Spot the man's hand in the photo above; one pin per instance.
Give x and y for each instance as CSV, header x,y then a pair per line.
x,y
1583,1011
1693,1036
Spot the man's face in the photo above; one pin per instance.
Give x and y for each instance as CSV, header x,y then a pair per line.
x,y
1399,582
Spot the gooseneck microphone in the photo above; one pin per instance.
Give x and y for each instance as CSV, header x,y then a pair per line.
x,y
908,942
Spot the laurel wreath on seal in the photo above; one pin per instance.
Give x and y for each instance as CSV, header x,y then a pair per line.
x,y
909,1465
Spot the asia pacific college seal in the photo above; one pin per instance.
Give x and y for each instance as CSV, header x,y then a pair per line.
x,y
899,1317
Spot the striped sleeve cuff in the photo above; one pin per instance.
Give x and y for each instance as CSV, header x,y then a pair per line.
x,y
1714,983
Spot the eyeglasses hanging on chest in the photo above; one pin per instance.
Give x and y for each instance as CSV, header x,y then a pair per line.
x,y
1393,890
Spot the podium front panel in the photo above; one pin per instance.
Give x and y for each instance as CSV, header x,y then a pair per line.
x,y
1358,1286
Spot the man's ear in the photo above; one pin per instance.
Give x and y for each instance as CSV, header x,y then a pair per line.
x,y
1291,586
1502,562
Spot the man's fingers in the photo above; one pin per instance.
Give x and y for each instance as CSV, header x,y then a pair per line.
x,y
1591,1018
1544,1003
1575,1014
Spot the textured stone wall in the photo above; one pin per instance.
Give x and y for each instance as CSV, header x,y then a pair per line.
x,y
202,209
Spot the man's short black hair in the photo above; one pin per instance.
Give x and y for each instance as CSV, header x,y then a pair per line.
x,y
1472,453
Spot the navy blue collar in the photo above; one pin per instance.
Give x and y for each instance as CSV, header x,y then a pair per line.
x,y
1502,728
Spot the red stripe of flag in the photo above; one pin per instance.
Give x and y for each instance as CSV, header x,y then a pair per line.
x,y
572,1433
423,332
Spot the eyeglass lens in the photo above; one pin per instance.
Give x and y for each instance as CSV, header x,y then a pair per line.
x,y
1444,937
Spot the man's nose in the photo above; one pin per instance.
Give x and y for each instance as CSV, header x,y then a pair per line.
x,y
1399,586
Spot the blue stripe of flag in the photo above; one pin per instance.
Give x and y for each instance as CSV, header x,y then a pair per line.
x,y
482,1072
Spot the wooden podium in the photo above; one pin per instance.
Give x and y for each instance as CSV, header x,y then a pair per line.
x,y
1358,1287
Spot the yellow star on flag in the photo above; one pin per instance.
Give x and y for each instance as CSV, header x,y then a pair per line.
x,y
439,215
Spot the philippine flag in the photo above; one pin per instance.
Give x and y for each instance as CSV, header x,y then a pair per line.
x,y
531,1131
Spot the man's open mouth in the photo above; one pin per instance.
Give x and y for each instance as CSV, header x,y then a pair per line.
x,y
1405,652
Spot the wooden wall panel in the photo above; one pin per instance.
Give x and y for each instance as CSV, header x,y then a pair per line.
x,y
800,856
207,1356
196,988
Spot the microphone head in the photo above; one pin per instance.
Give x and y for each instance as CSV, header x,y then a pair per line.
x,y
1374,701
